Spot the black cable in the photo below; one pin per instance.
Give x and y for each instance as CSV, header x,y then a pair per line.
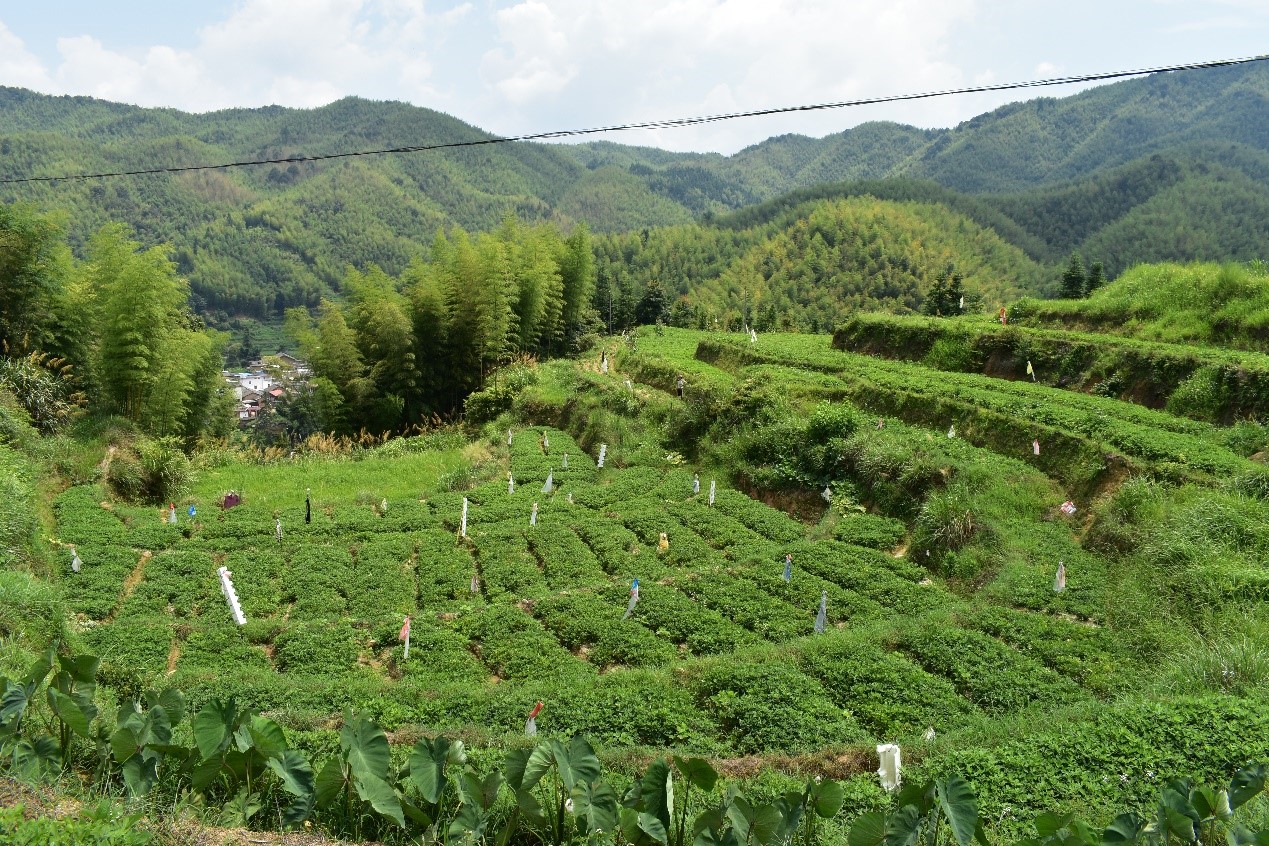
x,y
669,123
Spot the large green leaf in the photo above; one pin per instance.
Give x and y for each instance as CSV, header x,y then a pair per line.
x,y
1203,800
469,823
427,767
710,828
580,765
768,824
656,792
14,699
597,806
1124,829
1047,824
920,796
868,830
123,744
827,799
380,795
156,728
214,726
530,807
70,712
140,773
366,748
482,793
1178,814
267,736
330,783
697,772
206,773
36,758
514,766
740,814
1241,835
296,775
172,701
80,670
1247,783
903,827
39,671
653,827
960,806
239,810
541,759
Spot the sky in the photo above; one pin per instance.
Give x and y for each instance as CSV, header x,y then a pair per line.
x,y
515,67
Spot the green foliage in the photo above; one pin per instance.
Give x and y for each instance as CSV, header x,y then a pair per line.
x,y
816,263
17,513
103,825
1218,305
1217,386
44,386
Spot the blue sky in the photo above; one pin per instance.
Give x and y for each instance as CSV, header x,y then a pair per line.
x,y
524,66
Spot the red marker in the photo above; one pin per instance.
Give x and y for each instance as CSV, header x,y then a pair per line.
x,y
537,709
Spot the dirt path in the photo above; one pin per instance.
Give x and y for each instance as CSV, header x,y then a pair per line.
x,y
130,584
174,654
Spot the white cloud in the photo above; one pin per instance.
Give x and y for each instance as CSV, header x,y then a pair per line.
x,y
159,77
18,67
290,52
524,66
537,61
618,62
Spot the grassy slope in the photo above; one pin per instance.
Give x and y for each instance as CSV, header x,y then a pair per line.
x,y
718,657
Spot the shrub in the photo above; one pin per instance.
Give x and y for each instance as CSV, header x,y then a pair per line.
x,y
1200,396
316,648
157,472
30,610
884,690
773,706
870,530
100,826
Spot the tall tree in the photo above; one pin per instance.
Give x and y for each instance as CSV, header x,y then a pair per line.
x,y
429,315
35,264
1096,278
140,296
577,273
380,319
1073,278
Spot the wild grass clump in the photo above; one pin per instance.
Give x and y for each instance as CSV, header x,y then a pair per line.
x,y
150,470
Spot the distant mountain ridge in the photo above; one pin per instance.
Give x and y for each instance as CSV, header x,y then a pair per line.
x,y
1171,166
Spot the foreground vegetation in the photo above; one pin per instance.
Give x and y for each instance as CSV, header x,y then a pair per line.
x,y
935,560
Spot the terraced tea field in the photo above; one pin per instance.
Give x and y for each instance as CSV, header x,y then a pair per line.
x,y
719,655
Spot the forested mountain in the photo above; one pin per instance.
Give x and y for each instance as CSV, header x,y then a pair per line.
x,y
807,266
1173,166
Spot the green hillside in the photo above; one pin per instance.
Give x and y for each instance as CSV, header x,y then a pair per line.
x,y
1050,175
513,552
1213,385
1210,304
810,265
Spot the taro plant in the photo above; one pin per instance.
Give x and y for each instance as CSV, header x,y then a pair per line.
x,y
69,692
559,794
1185,814
30,755
142,742
924,815
356,785
466,800
654,812
238,751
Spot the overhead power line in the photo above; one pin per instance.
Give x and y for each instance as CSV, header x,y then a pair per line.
x,y
668,123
